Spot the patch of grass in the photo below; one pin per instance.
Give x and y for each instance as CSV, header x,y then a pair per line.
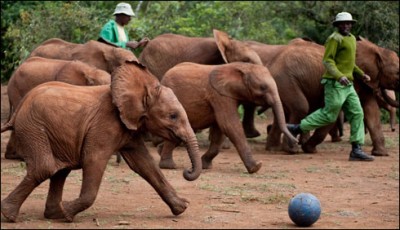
x,y
394,174
276,198
347,213
391,142
268,175
209,187
312,169
16,169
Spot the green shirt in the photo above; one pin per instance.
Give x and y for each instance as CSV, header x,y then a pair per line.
x,y
109,32
340,57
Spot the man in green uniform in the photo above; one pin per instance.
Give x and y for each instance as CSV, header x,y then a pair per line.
x,y
339,61
114,33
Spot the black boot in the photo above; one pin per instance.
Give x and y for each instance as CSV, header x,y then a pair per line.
x,y
294,129
357,154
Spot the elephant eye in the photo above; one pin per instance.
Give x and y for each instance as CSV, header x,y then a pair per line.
x,y
173,116
263,87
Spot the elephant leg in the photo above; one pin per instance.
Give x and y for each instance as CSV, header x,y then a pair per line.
x,y
166,157
229,123
216,138
11,152
248,121
319,135
93,171
140,161
39,167
273,142
373,124
53,208
12,203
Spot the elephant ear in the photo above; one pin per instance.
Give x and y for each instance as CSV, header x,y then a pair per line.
x,y
223,42
230,82
233,50
130,88
119,55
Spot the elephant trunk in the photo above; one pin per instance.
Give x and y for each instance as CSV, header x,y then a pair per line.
x,y
194,154
388,99
280,118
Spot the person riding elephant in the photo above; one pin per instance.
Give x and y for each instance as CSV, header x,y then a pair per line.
x,y
167,50
61,127
37,70
97,54
215,94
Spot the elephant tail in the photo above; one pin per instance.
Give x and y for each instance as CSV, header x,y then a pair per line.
x,y
9,125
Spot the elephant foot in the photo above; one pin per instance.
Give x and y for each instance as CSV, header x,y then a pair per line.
x,y
167,164
379,153
251,133
65,207
206,164
53,212
254,168
12,156
291,150
179,205
309,149
9,211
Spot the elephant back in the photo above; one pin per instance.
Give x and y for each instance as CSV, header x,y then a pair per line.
x,y
55,48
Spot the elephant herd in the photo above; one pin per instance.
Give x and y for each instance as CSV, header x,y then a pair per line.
x,y
74,105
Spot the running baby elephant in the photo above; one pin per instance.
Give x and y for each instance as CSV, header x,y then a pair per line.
x,y
215,94
61,127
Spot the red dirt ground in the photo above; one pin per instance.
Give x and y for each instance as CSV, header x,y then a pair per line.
x,y
352,194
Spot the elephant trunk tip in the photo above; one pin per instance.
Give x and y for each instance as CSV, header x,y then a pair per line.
x,y
191,175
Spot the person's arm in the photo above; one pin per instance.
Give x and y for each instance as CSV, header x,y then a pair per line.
x,y
329,62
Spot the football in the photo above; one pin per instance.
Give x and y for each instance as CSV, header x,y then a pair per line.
x,y
304,209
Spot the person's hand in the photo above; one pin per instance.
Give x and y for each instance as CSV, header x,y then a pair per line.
x,y
132,44
366,78
144,42
344,81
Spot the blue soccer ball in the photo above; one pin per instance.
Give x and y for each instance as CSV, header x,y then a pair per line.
x,y
304,209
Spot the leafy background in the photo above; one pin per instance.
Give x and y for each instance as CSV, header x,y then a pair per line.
x,y
26,24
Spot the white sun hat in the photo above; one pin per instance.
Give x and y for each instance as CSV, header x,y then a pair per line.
x,y
124,8
344,17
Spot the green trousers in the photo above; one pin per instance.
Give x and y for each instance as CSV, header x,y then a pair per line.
x,y
338,97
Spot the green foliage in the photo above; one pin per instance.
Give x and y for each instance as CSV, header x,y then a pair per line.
x,y
65,20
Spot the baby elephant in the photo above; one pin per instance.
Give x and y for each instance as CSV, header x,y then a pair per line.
x,y
61,127
36,70
211,95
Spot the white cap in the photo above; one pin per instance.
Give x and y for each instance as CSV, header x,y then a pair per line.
x,y
124,8
344,17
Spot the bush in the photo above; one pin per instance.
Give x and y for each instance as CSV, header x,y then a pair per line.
x,y
78,25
